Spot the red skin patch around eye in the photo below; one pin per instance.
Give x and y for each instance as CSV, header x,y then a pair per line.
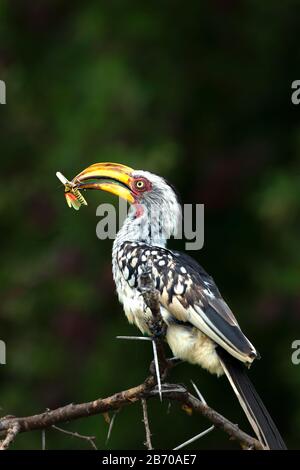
x,y
138,195
137,191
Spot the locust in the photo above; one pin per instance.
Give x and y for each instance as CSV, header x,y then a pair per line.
x,y
73,196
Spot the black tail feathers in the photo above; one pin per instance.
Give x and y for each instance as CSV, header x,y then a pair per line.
x,y
255,410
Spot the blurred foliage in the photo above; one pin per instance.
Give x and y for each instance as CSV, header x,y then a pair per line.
x,y
198,92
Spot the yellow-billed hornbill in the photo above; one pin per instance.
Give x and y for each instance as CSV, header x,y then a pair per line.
x,y
201,328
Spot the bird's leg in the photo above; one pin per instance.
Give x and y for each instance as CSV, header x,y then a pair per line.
x,y
157,327
155,323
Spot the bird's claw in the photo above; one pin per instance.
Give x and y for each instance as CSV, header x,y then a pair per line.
x,y
158,329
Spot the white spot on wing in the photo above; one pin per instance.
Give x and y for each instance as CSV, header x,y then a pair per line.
x,y
179,288
126,273
208,293
131,281
140,270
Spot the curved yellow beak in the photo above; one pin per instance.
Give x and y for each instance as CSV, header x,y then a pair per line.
x,y
111,177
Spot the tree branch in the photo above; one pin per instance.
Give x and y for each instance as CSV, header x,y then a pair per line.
x,y
10,426
12,431
13,425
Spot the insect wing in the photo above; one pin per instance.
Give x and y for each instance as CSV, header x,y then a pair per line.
x,y
72,200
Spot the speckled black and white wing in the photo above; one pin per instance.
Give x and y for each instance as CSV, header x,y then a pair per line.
x,y
187,292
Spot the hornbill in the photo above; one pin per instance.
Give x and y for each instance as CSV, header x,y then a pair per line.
x,y
200,327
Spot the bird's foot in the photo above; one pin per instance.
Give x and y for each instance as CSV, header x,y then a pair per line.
x,y
158,328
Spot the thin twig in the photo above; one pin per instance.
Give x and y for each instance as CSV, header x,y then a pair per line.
x,y
90,439
148,442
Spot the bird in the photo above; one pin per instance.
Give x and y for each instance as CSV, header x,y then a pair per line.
x,y
200,326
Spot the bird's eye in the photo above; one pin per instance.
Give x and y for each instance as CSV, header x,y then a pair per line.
x,y
140,185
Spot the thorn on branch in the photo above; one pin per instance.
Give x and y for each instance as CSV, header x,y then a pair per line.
x,y
90,439
195,438
111,424
200,396
43,439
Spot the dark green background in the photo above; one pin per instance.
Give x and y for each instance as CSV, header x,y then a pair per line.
x,y
199,92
